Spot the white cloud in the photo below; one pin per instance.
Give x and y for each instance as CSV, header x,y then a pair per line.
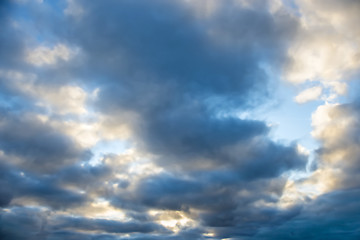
x,y
48,56
67,99
321,56
321,121
327,47
309,94
334,126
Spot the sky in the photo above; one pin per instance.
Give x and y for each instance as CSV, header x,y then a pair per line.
x,y
181,119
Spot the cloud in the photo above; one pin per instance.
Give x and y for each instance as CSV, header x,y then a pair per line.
x,y
23,187
37,146
11,44
333,186
171,80
106,225
168,77
173,101
326,216
326,48
73,9
338,135
63,99
40,223
309,94
326,51
48,56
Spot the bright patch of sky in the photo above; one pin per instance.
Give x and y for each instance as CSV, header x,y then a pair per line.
x,y
291,121
105,147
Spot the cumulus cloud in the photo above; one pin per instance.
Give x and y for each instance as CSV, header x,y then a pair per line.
x,y
326,49
338,134
168,80
330,191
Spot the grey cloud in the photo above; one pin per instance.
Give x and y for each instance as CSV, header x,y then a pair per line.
x,y
177,97
84,176
176,193
40,147
22,224
5,194
43,189
163,68
228,205
11,42
155,63
12,48
108,226
37,223
333,215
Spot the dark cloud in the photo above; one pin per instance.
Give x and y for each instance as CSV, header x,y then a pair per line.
x,y
39,223
45,190
108,226
36,145
179,82
30,220
11,42
176,193
84,176
181,89
163,68
219,201
327,216
334,214
5,194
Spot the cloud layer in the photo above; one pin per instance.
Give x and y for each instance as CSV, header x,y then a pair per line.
x,y
125,120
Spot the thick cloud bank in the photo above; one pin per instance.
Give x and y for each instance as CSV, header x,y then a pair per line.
x,y
130,120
